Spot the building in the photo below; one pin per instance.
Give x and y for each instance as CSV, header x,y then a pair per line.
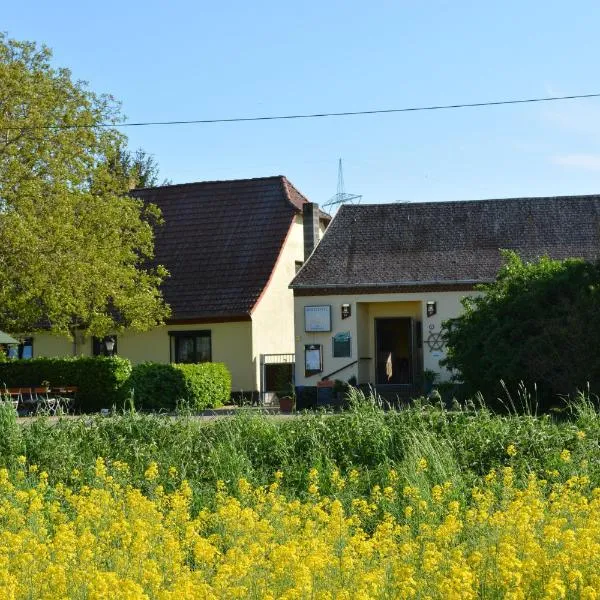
x,y
371,299
232,248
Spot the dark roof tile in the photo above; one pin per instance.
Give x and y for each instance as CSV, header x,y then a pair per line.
x,y
220,242
399,244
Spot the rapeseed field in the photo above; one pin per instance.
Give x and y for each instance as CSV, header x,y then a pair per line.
x,y
427,502
107,539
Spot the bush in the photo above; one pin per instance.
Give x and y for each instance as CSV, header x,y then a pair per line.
x,y
536,324
164,386
100,379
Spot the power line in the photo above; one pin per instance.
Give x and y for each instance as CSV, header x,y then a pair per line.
x,y
312,115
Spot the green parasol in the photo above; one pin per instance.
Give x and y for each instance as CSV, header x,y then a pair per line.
x,y
6,339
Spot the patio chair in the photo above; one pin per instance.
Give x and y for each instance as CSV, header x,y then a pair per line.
x,y
13,396
65,394
44,402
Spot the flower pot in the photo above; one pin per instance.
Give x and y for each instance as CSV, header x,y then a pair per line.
x,y
286,404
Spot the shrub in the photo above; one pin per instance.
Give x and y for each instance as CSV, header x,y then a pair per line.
x,y
200,386
536,324
100,379
156,386
208,384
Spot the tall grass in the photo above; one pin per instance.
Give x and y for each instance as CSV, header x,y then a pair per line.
x,y
459,445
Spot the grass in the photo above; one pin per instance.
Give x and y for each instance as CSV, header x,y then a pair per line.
x,y
460,445
420,502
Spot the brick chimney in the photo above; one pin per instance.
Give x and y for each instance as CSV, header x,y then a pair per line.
x,y
310,218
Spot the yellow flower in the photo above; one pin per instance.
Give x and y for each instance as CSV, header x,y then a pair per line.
x,y
337,481
151,472
565,456
313,489
511,450
100,468
393,477
107,539
388,493
581,435
422,464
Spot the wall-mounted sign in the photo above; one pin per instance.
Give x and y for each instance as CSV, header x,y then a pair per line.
x,y
341,345
313,359
434,341
346,311
431,308
317,318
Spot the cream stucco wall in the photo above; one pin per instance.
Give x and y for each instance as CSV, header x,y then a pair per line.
x,y
273,315
365,308
231,344
47,345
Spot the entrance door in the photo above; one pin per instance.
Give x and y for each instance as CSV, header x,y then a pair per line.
x,y
397,355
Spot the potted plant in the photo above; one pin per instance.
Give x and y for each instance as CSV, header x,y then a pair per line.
x,y
430,378
287,398
340,389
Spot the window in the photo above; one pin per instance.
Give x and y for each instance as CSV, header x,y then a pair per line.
x,y
106,346
23,350
190,346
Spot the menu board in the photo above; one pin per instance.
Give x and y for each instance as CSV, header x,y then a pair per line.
x,y
341,345
313,359
317,318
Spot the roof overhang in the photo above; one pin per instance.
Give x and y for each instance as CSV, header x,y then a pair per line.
x,y
387,288
209,319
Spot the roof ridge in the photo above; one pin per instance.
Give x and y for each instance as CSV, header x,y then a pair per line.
x,y
288,186
472,201
209,182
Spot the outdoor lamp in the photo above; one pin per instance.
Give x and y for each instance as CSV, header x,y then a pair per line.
x,y
110,344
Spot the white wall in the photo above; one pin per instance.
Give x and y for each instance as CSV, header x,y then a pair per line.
x,y
273,315
365,308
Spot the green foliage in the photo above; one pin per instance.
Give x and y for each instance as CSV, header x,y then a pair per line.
x,y
536,324
208,384
156,386
138,168
458,446
76,248
11,439
167,386
101,380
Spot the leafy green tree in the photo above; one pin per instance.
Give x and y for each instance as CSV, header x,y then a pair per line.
x,y
538,323
139,168
76,250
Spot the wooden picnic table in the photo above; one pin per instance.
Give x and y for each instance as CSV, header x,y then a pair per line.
x,y
34,399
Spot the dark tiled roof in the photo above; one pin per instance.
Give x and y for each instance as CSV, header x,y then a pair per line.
x,y
447,242
220,242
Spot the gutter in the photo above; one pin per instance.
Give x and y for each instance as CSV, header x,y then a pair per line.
x,y
390,284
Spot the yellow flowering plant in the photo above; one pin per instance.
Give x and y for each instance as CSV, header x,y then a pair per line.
x,y
109,540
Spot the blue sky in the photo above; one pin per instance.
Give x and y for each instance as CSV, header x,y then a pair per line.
x,y
193,60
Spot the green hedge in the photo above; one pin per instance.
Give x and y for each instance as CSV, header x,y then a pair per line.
x,y
159,386
101,380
